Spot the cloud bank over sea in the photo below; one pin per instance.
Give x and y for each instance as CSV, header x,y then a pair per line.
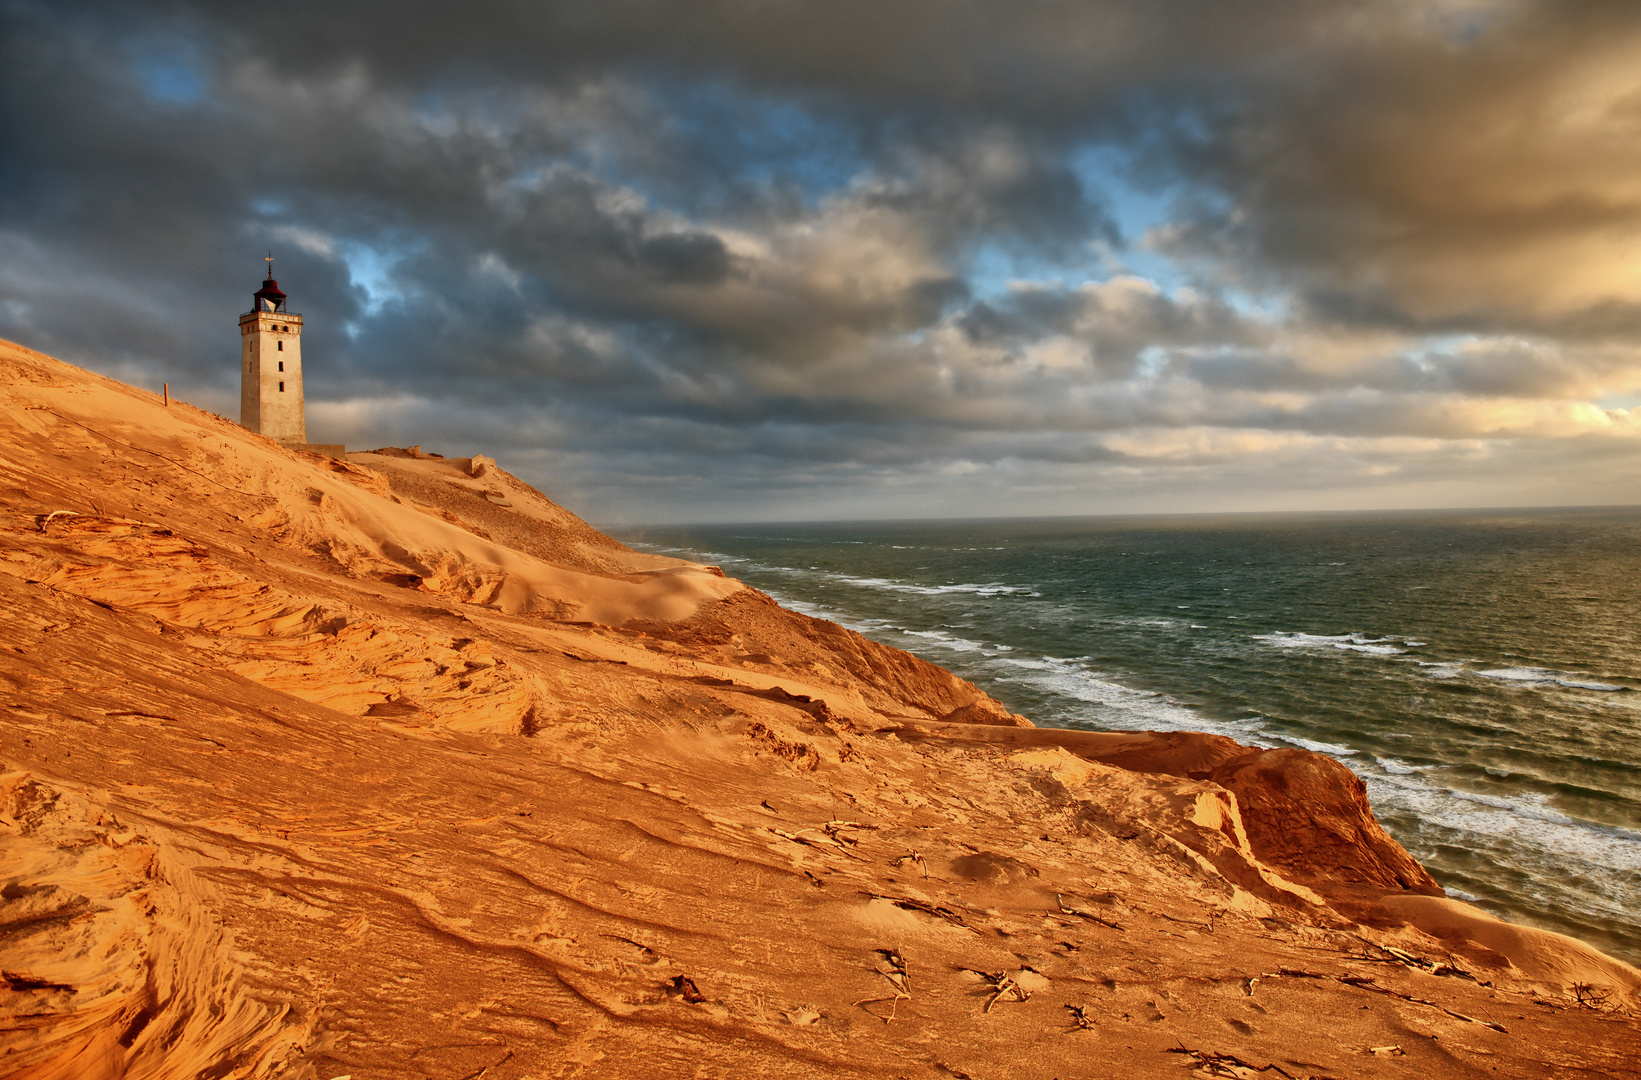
x,y
758,260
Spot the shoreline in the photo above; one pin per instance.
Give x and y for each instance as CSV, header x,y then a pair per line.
x,y
1420,740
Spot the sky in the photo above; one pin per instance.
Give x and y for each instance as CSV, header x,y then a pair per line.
x,y
761,260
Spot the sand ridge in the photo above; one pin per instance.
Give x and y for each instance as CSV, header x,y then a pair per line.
x,y
357,770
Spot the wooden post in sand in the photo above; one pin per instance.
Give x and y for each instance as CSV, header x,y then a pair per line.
x,y
167,394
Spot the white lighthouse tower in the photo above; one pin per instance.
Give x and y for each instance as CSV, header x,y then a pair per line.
x,y
270,389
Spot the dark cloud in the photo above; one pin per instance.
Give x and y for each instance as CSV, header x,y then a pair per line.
x,y
1474,181
1046,60
1116,322
821,255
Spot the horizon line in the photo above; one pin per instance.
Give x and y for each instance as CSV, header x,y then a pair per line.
x,y
998,519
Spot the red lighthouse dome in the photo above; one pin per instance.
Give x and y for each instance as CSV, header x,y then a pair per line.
x,y
268,298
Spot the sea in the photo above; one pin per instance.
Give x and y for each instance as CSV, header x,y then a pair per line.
x,y
1479,670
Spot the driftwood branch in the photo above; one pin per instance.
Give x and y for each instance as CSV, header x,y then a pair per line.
x,y
908,904
1216,1064
1082,913
1366,982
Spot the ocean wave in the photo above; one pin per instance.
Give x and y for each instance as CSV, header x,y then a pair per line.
x,y
950,641
1347,642
1336,750
1533,676
987,588
1395,767
1523,824
984,588
884,628
1533,806
1121,707
1166,624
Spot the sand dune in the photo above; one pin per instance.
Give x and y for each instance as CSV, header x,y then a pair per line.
x,y
393,768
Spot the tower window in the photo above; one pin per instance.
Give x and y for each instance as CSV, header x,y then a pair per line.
x,y
282,365
281,388
281,346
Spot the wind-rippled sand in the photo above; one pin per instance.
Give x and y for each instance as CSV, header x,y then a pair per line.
x,y
392,768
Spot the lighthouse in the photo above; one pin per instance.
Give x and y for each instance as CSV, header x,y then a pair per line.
x,y
270,371
270,388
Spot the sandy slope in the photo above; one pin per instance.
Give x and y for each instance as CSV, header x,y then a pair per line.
x,y
393,768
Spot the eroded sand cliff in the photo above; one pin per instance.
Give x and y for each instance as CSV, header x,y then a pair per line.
x,y
393,768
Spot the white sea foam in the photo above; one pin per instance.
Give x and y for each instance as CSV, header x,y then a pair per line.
x,y
817,611
950,641
1347,642
987,588
1120,707
1523,805
1532,831
1518,674
1533,676
1394,767
939,639
715,557
1331,749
